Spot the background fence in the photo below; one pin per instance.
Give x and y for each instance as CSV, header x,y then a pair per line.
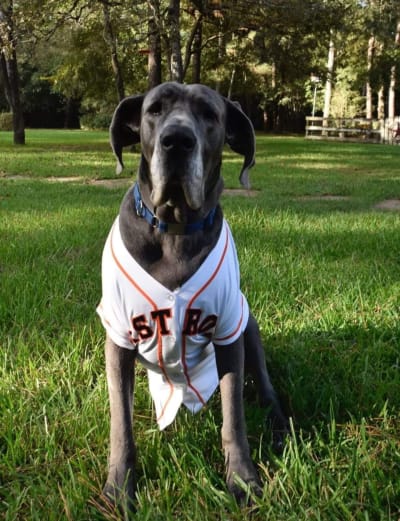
x,y
354,129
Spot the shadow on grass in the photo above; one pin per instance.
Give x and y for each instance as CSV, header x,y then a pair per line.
x,y
351,372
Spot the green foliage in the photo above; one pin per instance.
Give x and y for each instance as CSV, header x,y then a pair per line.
x,y
319,265
83,68
347,101
262,53
96,121
6,121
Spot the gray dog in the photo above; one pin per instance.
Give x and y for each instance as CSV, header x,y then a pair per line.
x,y
171,294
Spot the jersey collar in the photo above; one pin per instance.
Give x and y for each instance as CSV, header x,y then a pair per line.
x,y
171,228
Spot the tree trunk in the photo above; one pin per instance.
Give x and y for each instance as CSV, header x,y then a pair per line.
x,y
193,47
9,72
221,56
231,82
329,77
176,67
392,84
71,118
196,62
368,88
155,57
392,93
381,102
112,44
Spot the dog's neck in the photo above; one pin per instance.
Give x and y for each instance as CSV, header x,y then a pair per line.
x,y
169,258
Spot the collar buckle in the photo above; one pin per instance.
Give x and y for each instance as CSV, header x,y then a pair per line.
x,y
140,211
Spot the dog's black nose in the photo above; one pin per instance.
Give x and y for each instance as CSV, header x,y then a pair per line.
x,y
178,138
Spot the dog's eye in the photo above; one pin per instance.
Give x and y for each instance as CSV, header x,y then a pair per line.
x,y
210,115
155,108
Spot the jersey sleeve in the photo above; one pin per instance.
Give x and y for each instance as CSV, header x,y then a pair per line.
x,y
111,309
234,314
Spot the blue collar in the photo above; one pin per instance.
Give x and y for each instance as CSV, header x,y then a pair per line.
x,y
172,228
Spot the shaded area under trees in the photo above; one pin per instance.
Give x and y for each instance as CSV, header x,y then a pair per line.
x,y
260,52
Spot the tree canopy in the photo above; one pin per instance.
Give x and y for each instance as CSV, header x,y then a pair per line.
x,y
65,56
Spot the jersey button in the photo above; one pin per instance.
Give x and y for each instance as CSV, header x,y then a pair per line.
x,y
171,297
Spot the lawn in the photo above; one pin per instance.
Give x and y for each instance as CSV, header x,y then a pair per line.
x,y
320,265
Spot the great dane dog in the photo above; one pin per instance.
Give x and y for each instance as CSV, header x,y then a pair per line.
x,y
171,296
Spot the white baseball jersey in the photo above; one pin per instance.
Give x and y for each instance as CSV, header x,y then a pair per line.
x,y
172,331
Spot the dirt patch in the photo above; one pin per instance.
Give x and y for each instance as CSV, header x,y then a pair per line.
x,y
107,183
20,177
17,177
241,191
111,183
323,197
391,205
71,179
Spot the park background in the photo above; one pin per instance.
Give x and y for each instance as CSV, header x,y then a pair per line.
x,y
67,63
318,239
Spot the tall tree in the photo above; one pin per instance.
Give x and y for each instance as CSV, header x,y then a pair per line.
x,y
329,76
392,84
9,68
155,55
368,86
112,44
175,51
380,18
371,52
196,54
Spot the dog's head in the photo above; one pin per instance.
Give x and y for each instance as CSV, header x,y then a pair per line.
x,y
182,130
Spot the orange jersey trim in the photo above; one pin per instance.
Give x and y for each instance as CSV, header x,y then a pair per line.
x,y
155,308
183,357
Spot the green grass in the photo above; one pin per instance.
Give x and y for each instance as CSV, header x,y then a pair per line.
x,y
323,278
58,153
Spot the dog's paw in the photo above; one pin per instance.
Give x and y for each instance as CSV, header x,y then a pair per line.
x,y
244,490
280,429
242,479
121,497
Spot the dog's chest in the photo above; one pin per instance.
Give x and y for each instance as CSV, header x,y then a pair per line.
x,y
150,312
174,261
170,259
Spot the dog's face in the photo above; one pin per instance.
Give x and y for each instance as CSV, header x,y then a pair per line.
x,y
182,133
182,130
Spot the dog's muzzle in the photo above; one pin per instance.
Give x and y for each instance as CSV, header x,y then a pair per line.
x,y
177,168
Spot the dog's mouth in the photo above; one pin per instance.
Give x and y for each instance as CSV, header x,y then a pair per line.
x,y
173,204
184,197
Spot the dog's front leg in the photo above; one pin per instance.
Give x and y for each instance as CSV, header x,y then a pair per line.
x,y
230,366
121,483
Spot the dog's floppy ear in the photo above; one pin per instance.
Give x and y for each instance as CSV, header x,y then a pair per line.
x,y
239,134
125,126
